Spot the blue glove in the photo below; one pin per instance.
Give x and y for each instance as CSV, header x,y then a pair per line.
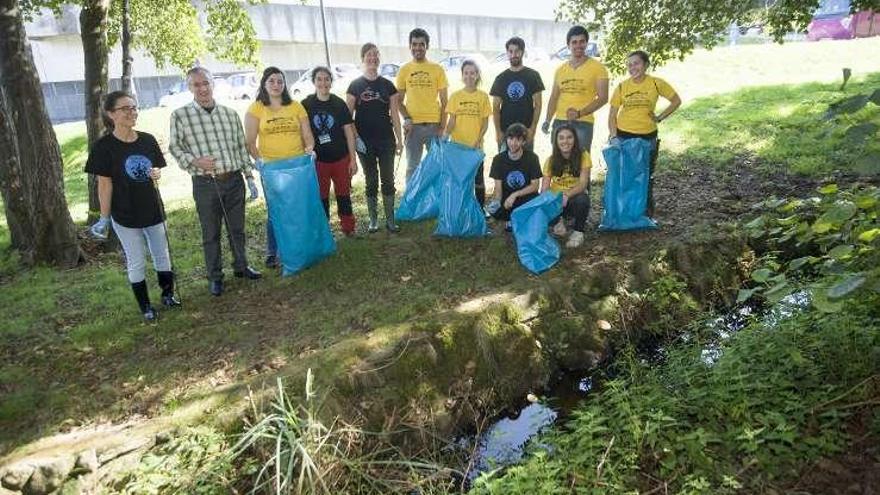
x,y
101,228
258,164
252,187
360,145
545,127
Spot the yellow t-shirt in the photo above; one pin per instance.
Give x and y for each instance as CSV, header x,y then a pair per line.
x,y
577,87
422,81
469,109
566,181
279,135
636,103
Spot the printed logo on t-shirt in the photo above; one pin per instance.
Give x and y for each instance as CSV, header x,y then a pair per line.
x,y
420,79
468,108
138,168
370,94
323,121
516,180
516,90
637,99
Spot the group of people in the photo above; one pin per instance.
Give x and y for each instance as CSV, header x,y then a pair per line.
x,y
374,123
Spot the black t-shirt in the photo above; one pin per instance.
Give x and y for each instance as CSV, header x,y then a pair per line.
x,y
516,90
372,109
328,119
135,201
515,174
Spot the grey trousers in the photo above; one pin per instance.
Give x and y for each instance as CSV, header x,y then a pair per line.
x,y
207,193
132,241
418,139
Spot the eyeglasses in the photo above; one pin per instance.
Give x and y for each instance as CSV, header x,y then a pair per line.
x,y
126,109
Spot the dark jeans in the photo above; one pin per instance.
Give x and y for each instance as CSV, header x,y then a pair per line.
x,y
208,193
504,214
652,163
378,163
577,207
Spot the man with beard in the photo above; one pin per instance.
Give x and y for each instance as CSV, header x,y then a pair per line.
x,y
516,95
421,83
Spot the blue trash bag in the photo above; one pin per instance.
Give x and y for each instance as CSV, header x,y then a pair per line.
x,y
420,201
626,185
460,214
298,219
537,250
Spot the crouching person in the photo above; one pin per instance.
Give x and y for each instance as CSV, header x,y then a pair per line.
x,y
567,171
517,174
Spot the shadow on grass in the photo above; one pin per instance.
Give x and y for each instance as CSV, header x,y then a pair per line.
x,y
780,126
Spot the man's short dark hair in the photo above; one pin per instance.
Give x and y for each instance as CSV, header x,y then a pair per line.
x,y
517,130
517,42
419,33
576,31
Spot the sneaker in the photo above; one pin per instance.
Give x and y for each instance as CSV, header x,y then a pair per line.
x,y
559,229
508,227
271,261
576,240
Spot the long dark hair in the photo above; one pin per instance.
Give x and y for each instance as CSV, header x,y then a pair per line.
x,y
263,95
110,104
558,162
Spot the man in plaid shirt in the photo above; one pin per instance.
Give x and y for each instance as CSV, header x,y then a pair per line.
x,y
207,140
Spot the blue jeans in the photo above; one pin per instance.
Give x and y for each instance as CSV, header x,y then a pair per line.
x,y
584,131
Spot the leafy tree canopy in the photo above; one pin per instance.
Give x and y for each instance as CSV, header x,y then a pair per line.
x,y
671,29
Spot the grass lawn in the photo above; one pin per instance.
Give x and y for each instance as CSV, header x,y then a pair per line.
x,y
74,350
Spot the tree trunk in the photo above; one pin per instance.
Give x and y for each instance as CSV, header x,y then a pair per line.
x,y
127,78
93,24
30,166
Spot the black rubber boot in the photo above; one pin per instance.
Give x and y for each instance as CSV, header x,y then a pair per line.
x,y
166,283
143,300
388,204
373,212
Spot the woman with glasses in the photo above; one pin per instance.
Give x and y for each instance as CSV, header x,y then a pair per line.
x,y
127,162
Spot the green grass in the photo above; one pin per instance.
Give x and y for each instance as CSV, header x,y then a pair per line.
x,y
72,344
781,126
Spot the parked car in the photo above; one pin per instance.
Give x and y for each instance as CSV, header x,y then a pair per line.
x,y
452,63
532,56
222,91
244,86
592,51
832,20
178,87
343,74
389,71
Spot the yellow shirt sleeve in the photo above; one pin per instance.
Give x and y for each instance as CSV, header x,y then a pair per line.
x,y
401,78
298,110
586,161
616,99
664,88
256,109
442,83
452,104
485,106
547,171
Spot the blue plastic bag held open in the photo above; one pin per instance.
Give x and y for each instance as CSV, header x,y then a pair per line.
x,y
420,201
537,250
626,185
298,218
460,214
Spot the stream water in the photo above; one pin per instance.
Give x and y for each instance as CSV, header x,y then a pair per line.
x,y
505,440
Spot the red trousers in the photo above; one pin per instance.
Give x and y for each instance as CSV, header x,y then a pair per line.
x,y
337,173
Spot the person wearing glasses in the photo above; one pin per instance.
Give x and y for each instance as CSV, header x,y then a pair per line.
x,y
127,162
